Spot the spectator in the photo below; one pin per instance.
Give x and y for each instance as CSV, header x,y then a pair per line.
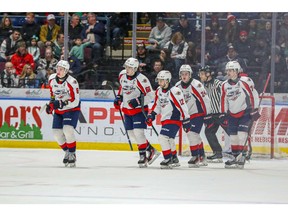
x,y
6,28
178,49
260,53
214,28
9,78
75,64
33,49
186,28
27,78
168,63
78,49
46,63
22,57
144,59
75,29
244,47
30,28
45,84
48,32
216,49
57,45
159,35
231,30
157,67
8,46
95,33
266,33
232,55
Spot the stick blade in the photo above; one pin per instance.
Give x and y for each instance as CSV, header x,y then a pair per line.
x,y
43,108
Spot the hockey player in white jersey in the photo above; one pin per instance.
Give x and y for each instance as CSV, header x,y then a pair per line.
x,y
240,101
170,103
133,85
198,104
65,104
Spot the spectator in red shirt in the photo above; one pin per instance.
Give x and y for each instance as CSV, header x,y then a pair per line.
x,y
22,57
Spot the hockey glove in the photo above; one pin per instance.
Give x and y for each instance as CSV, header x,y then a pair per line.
x,y
186,125
135,102
255,115
150,118
57,104
208,120
117,101
223,119
49,109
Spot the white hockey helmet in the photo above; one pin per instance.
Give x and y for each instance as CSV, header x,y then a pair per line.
x,y
64,64
185,67
233,65
132,62
164,75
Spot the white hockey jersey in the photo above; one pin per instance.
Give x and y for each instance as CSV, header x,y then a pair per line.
x,y
238,97
170,104
133,87
196,98
67,90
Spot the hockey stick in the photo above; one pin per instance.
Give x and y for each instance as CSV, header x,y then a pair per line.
x,y
105,83
43,108
143,111
252,122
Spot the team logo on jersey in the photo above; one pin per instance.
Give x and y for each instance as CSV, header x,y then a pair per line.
x,y
163,102
233,95
128,89
60,93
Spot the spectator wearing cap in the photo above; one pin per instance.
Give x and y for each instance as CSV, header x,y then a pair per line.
x,y
159,35
95,33
49,32
213,28
30,28
22,57
231,30
186,28
232,55
8,46
215,50
144,59
244,47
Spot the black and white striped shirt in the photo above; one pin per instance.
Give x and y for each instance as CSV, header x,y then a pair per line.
x,y
213,88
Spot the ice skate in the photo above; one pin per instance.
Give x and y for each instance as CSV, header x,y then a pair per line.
x,y
166,164
175,161
65,159
231,164
241,161
72,159
193,162
143,161
215,158
153,154
203,161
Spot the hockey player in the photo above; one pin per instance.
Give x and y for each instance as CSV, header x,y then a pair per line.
x,y
212,121
170,103
240,101
133,86
65,102
198,104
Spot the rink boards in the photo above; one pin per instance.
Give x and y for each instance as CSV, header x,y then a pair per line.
x,y
100,127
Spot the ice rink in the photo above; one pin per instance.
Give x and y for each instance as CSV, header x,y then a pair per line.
x,y
37,176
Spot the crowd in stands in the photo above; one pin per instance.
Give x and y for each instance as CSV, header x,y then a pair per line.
x,y
30,51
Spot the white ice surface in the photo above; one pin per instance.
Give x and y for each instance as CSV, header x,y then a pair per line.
x,y
37,176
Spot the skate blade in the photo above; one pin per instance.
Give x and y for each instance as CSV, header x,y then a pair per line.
x,y
193,165
142,165
226,155
66,164
215,161
72,164
156,155
166,167
203,164
176,165
234,166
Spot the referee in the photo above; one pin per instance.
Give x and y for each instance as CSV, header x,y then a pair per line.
x,y
215,119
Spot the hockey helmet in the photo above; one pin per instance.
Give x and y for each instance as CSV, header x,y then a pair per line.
x,y
64,64
164,75
185,67
132,62
233,65
207,70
